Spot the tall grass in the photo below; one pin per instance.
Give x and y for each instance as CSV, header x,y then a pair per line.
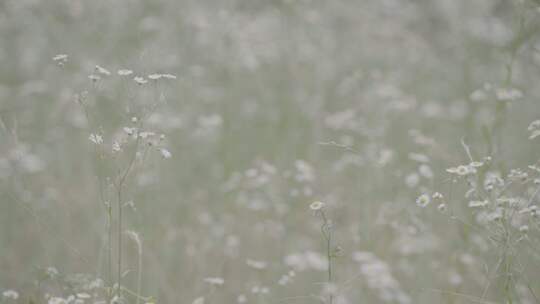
x,y
204,131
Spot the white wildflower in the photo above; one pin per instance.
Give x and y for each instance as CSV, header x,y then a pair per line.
x,y
442,207
168,76
461,170
215,281
60,58
534,125
476,164
476,204
256,264
116,147
140,80
96,138
56,300
154,76
534,128
146,134
437,196
94,77
52,272
284,280
83,295
165,153
317,205
495,215
10,294
124,72
423,200
130,131
260,289
102,70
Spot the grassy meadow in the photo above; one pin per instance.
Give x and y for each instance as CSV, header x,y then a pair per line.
x,y
269,151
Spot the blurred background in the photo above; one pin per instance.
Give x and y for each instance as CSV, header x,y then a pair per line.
x,y
276,104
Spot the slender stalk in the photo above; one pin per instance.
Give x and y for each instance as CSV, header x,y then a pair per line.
x,y
109,249
119,273
139,274
119,189
326,230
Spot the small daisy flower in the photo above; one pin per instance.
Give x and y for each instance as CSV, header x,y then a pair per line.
x,y
94,77
60,59
124,72
165,153
534,128
477,204
259,265
155,76
317,205
10,294
130,131
423,200
116,147
83,295
146,134
52,272
57,300
96,138
168,76
534,125
437,195
461,170
442,207
103,71
140,80
215,281
476,164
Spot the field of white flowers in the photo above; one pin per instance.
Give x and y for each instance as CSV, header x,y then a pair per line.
x,y
269,151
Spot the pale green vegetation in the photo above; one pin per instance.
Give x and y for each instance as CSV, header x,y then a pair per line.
x,y
269,151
